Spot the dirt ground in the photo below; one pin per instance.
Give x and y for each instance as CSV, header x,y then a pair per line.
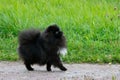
x,y
17,71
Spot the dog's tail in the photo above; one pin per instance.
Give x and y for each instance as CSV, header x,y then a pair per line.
x,y
28,36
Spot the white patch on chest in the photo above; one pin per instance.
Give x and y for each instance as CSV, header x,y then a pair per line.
x,y
62,51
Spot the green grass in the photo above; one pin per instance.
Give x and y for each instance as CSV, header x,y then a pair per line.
x,y
92,27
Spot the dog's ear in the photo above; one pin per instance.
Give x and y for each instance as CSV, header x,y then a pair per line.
x,y
52,28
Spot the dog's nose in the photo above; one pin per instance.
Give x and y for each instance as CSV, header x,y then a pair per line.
x,y
61,33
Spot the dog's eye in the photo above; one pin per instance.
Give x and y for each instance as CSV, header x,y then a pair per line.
x,y
56,32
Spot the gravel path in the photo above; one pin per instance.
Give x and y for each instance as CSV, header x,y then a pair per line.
x,y
17,71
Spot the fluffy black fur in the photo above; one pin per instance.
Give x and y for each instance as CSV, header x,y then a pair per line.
x,y
41,48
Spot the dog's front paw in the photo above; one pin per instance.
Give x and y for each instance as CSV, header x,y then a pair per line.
x,y
30,69
63,69
49,70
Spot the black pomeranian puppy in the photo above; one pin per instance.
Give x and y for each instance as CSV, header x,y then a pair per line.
x,y
42,48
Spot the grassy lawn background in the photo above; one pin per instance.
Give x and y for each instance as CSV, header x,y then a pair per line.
x,y
92,27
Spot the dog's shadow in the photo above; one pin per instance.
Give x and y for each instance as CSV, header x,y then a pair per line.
x,y
44,71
